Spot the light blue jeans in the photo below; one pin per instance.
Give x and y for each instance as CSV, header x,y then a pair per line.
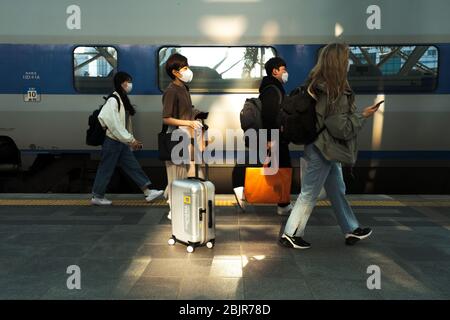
x,y
117,153
319,173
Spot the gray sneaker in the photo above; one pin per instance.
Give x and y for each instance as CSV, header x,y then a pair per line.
x,y
100,201
240,198
284,211
153,195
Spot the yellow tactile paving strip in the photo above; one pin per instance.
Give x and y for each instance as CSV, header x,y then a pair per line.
x,y
218,202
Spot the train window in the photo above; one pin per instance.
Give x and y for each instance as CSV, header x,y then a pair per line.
x,y
220,69
401,68
94,68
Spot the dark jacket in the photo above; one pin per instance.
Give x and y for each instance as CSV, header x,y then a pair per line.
x,y
270,99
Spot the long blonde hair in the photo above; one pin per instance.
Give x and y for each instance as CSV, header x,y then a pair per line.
x,y
330,74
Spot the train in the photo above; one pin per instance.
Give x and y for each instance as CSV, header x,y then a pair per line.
x,y
57,60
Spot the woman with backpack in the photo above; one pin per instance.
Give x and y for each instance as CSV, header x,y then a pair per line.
x,y
335,145
119,143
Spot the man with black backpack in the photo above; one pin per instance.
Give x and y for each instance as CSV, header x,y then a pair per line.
x,y
271,96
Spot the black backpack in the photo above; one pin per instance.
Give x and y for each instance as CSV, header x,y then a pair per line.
x,y
95,134
251,113
297,118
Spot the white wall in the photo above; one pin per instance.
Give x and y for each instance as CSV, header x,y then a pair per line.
x,y
222,21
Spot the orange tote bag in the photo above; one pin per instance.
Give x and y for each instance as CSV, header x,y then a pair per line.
x,y
260,188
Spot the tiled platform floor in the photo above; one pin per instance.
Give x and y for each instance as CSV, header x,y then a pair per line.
x,y
122,252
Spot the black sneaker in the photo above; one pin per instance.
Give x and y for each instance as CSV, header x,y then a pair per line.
x,y
294,242
358,234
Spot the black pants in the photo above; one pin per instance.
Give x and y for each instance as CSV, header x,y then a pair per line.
x,y
238,176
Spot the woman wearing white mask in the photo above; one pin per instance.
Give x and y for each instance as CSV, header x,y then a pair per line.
x,y
178,112
119,143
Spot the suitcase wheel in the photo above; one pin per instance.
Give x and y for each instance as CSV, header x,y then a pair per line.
x,y
171,242
210,244
190,249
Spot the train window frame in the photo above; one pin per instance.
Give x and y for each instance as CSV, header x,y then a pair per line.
x,y
206,90
406,89
114,71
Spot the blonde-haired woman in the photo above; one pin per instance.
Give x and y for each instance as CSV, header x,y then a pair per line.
x,y
334,146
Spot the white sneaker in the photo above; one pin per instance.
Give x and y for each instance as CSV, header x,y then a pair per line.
x,y
284,211
153,195
100,201
240,198
169,216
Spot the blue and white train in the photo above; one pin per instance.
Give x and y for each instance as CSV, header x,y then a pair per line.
x,y
57,59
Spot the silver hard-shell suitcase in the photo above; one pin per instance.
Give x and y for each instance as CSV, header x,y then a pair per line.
x,y
193,221
192,206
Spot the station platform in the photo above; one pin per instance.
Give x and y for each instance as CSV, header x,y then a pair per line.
x,y
122,251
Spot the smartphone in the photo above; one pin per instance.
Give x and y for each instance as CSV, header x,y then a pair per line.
x,y
379,104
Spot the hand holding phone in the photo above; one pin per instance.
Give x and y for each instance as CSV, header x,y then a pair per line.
x,y
369,111
378,104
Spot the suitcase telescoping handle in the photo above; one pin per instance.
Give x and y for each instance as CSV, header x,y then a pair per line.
x,y
206,146
206,162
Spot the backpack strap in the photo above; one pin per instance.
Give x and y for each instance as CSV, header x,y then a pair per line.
x,y
304,88
277,90
112,95
321,130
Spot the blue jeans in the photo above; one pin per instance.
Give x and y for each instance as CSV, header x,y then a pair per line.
x,y
319,173
113,153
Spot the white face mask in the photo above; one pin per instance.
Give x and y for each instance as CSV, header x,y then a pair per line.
x,y
186,75
129,87
285,77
